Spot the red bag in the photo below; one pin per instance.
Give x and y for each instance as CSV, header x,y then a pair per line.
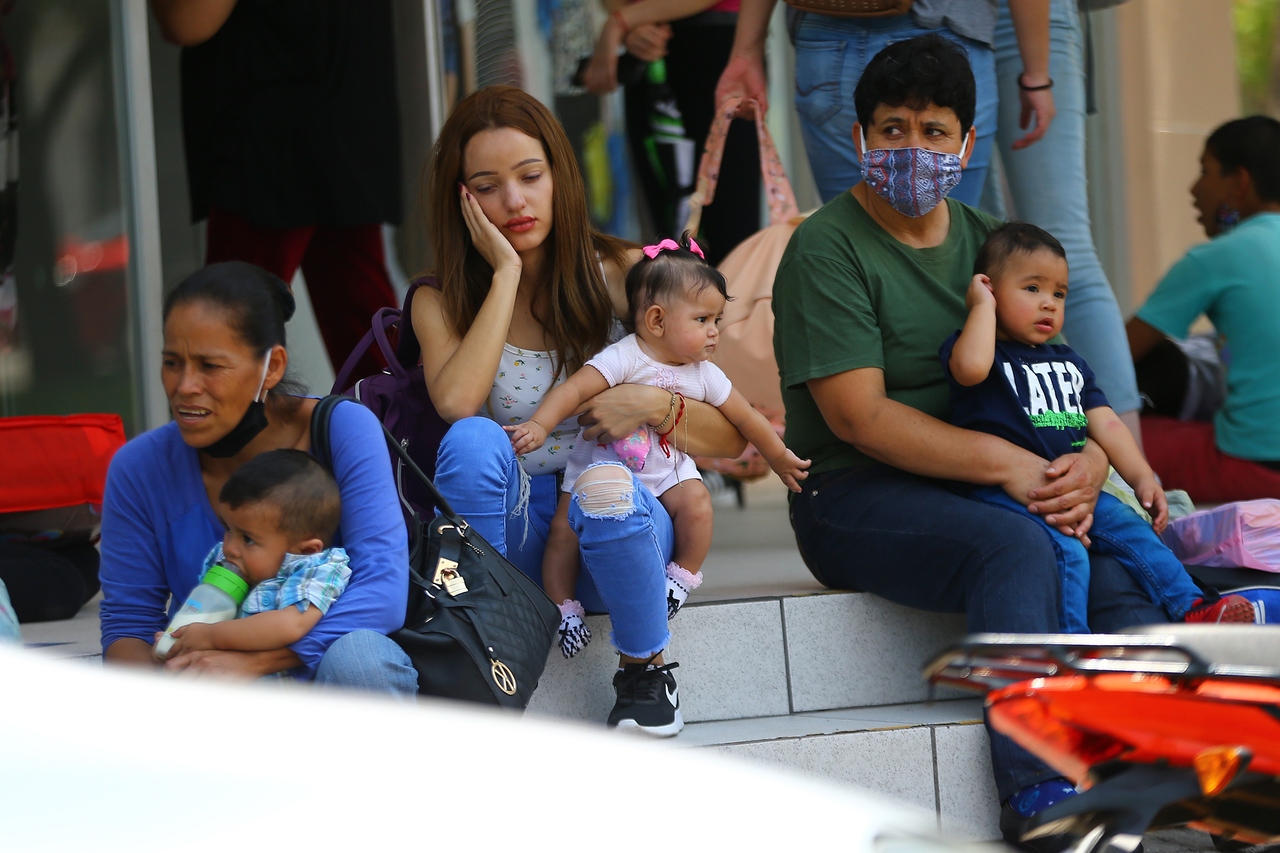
x,y
49,461
745,352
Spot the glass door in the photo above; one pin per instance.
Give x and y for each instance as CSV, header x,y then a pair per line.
x,y
66,330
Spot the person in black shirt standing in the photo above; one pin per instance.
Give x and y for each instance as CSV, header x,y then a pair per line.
x,y
293,145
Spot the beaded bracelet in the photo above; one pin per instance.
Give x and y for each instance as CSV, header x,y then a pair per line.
x,y
662,436
671,414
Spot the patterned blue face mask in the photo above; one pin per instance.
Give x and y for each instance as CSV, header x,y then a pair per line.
x,y
1226,218
913,180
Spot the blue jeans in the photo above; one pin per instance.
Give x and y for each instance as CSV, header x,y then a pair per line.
x,y
369,662
624,552
831,54
923,543
1118,532
1048,187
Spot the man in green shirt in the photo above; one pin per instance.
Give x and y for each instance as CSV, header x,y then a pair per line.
x,y
867,291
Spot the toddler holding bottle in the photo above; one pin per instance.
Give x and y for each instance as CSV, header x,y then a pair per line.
x,y
281,510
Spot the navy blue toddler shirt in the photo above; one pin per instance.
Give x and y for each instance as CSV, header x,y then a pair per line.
x,y
1035,397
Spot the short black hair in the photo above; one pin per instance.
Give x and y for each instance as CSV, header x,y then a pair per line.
x,y
915,73
1010,238
1252,144
294,482
670,273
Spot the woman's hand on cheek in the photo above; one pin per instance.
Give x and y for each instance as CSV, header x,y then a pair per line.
x,y
619,411
485,236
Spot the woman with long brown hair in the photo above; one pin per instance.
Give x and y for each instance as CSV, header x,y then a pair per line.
x,y
528,291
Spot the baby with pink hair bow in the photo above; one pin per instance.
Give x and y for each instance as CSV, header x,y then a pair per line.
x,y
675,302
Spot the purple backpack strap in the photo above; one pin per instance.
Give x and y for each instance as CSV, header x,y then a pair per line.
x,y
384,319
408,350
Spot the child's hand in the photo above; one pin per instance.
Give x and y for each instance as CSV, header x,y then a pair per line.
x,y
790,468
1152,498
980,293
191,638
526,437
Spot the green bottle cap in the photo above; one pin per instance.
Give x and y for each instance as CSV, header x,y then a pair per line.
x,y
657,72
228,581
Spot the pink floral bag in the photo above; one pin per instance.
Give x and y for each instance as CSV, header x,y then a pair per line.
x,y
745,352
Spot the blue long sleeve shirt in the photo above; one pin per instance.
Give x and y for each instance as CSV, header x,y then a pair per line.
x,y
157,526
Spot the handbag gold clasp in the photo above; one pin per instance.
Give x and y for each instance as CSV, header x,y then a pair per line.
x,y
503,677
444,566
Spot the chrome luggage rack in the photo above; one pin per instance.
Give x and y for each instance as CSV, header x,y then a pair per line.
x,y
984,662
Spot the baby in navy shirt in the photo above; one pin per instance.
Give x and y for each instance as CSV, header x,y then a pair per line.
x,y
1007,380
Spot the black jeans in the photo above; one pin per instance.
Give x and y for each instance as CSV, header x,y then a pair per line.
x,y
922,543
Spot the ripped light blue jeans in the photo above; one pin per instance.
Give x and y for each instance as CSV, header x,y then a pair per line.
x,y
831,54
1048,187
624,535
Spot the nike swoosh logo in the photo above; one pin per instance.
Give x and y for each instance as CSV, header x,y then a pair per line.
x,y
672,696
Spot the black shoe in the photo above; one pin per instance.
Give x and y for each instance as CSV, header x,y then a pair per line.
x,y
648,700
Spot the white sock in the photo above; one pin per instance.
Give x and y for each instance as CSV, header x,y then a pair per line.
x,y
573,632
680,582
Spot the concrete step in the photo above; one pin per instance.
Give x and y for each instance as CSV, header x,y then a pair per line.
x,y
934,756
767,657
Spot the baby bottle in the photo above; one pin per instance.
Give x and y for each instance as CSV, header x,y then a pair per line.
x,y
216,599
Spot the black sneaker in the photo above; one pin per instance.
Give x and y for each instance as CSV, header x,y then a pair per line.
x,y
648,700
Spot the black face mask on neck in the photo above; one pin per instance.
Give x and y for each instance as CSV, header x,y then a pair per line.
x,y
253,423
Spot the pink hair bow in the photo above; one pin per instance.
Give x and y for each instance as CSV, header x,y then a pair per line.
x,y
668,244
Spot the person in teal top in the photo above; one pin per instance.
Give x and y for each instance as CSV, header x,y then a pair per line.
x,y
1234,279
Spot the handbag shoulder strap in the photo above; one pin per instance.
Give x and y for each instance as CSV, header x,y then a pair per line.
x,y
782,199
321,417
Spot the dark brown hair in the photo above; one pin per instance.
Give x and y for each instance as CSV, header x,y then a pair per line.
x,y
572,301
1013,238
296,484
669,274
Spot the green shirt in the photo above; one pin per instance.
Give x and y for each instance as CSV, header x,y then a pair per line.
x,y
848,295
1235,280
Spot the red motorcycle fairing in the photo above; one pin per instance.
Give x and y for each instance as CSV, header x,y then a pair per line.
x,y
1168,726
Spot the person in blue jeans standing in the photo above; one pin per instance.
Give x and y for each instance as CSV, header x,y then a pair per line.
x,y
831,54
1047,186
529,291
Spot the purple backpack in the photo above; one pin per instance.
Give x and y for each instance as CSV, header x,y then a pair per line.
x,y
398,396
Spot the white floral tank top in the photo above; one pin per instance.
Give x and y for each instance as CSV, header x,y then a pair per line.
x,y
524,378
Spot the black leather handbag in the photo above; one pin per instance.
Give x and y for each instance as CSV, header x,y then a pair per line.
x,y
476,627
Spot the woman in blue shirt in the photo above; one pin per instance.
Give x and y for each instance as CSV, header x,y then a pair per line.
x,y
224,360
